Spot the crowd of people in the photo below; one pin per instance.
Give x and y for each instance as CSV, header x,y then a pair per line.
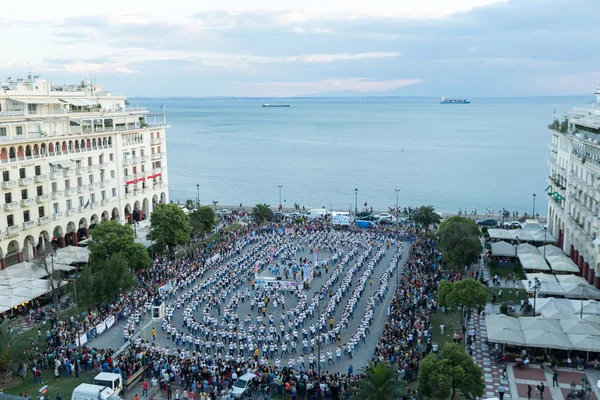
x,y
212,344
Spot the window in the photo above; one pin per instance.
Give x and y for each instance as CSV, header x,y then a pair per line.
x,y
5,176
103,195
40,190
112,174
41,212
91,179
10,220
24,194
102,176
67,184
111,157
19,130
81,203
38,170
2,131
69,205
55,208
79,182
54,187
90,161
26,216
114,192
21,172
8,198
92,198
78,164
126,172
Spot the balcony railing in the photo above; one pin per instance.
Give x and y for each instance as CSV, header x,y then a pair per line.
x,y
155,141
57,195
27,202
93,186
144,158
58,215
13,205
104,202
91,168
68,172
14,229
80,170
41,198
128,195
81,189
71,211
156,156
43,220
25,181
157,171
127,161
128,178
29,224
40,178
95,204
54,175
70,191
9,184
103,165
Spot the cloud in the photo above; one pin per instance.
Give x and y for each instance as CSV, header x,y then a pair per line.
x,y
69,67
363,85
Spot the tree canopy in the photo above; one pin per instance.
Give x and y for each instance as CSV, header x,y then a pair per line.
x,y
440,377
170,227
13,350
381,382
202,220
103,280
110,238
426,216
459,241
262,213
466,293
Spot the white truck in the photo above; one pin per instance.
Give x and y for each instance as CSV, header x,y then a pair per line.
x,y
110,380
87,391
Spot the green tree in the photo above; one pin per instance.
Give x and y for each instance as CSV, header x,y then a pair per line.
x,y
202,220
468,294
381,382
459,241
190,205
14,349
262,213
112,277
453,371
111,237
170,227
86,290
426,216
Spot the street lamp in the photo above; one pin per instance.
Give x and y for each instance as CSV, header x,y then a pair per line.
x,y
215,204
516,242
533,206
280,206
397,191
198,197
355,202
536,287
319,336
135,226
545,232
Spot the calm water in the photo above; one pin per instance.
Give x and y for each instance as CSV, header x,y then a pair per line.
x,y
491,153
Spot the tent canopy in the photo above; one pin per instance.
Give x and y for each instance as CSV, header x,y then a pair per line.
x,y
533,262
503,249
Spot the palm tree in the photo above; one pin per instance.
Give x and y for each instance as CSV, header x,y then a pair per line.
x,y
381,383
262,212
426,216
13,351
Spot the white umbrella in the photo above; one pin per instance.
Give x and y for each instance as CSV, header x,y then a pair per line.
x,y
502,334
547,339
559,315
580,290
580,327
540,324
548,304
584,342
500,320
12,301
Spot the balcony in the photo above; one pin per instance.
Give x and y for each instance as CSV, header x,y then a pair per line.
x,y
41,198
104,202
9,184
29,224
81,189
40,178
91,168
128,178
27,202
13,205
93,186
54,175
25,181
139,175
128,195
156,156
95,204
57,195
58,215
68,172
127,161
80,170
43,220
104,184
71,211
70,191
144,158
155,141
156,171
103,165
14,229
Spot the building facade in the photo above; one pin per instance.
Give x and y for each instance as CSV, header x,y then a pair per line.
x,y
72,156
574,187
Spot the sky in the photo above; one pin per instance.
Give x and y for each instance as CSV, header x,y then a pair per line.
x,y
269,48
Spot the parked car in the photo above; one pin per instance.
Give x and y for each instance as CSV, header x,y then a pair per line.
x,y
511,225
487,222
363,214
294,215
242,386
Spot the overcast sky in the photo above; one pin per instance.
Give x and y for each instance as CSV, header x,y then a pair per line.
x,y
282,48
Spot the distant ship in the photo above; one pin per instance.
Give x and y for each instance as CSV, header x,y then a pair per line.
x,y
454,101
275,105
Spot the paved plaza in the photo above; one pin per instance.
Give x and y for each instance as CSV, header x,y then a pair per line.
x,y
362,263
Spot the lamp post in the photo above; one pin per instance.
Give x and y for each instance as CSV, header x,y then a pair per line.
x,y
135,226
397,191
355,202
319,336
198,196
536,287
280,205
545,232
215,204
533,206
516,241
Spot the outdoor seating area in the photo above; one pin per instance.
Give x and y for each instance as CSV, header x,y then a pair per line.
x,y
522,235
568,286
545,333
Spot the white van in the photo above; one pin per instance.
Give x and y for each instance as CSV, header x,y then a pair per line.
x,y
110,380
316,213
87,391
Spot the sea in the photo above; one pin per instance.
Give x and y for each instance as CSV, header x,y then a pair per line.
x,y
333,152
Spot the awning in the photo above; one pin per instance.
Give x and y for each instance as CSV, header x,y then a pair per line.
x,y
134,181
67,164
154,176
80,102
36,100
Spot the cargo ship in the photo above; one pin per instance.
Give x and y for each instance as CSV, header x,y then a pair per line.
x,y
454,101
275,105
